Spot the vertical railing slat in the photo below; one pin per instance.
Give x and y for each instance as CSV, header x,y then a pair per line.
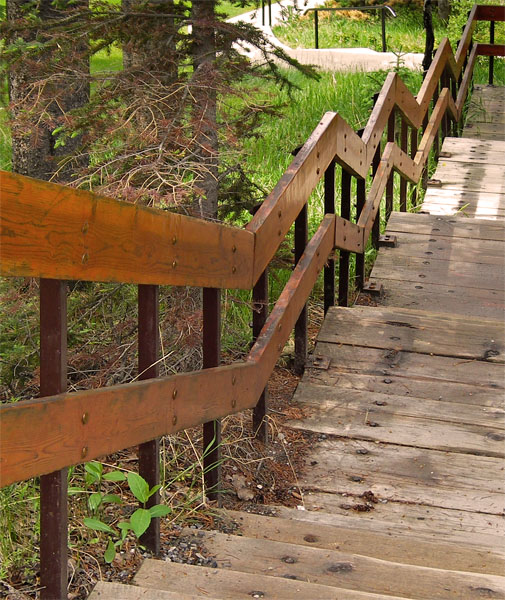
x,y
54,486
211,358
329,208
301,238
149,452
343,260
391,179
260,314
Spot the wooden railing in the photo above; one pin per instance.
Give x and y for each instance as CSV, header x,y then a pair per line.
x,y
59,233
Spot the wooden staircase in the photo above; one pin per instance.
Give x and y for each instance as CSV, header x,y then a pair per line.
x,y
404,491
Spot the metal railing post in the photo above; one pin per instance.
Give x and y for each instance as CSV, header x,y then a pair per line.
x,y
316,29
301,238
345,213
391,179
54,486
149,452
211,358
491,58
360,203
260,314
329,208
404,136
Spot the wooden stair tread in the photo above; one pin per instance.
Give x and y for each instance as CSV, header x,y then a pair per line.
x,y
441,334
290,527
342,570
118,591
233,584
418,522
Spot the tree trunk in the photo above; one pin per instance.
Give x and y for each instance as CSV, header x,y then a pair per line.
x,y
444,10
430,37
205,111
33,145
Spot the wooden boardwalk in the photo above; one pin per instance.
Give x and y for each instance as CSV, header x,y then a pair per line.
x,y
403,493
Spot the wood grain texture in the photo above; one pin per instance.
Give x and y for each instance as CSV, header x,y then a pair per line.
x,y
49,230
290,527
415,331
343,570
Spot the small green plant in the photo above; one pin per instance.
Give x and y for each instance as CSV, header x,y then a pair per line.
x,y
139,521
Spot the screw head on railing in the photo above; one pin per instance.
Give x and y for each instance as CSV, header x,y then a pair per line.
x,y
174,394
85,418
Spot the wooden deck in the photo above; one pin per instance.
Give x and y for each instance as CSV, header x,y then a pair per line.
x,y
403,493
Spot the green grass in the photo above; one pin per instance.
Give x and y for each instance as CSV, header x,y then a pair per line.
x,y
355,29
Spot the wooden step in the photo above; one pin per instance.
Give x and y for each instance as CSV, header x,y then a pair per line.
x,y
231,584
397,520
293,529
118,591
440,334
332,413
450,226
337,569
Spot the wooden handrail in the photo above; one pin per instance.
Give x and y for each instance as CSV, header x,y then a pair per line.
x,y
53,231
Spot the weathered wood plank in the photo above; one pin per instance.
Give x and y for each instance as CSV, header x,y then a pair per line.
x,y
464,201
406,431
411,387
398,520
40,436
374,404
442,248
402,549
342,570
474,150
461,274
53,231
415,331
406,474
481,130
475,302
449,226
236,585
118,591
403,366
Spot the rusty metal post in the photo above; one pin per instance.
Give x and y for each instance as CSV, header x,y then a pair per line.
x,y
375,165
260,314
436,141
491,58
301,237
53,487
211,358
424,177
149,452
343,262
329,208
413,152
404,137
360,202
391,179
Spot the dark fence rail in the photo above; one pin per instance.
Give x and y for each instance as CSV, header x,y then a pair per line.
x,y
384,9
58,233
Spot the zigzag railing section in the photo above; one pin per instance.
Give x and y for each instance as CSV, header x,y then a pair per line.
x,y
58,233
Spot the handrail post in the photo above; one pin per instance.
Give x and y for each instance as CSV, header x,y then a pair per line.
x,y
436,141
316,29
390,182
260,314
360,203
301,238
491,58
375,166
211,358
54,486
404,135
345,213
329,208
149,452
414,137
